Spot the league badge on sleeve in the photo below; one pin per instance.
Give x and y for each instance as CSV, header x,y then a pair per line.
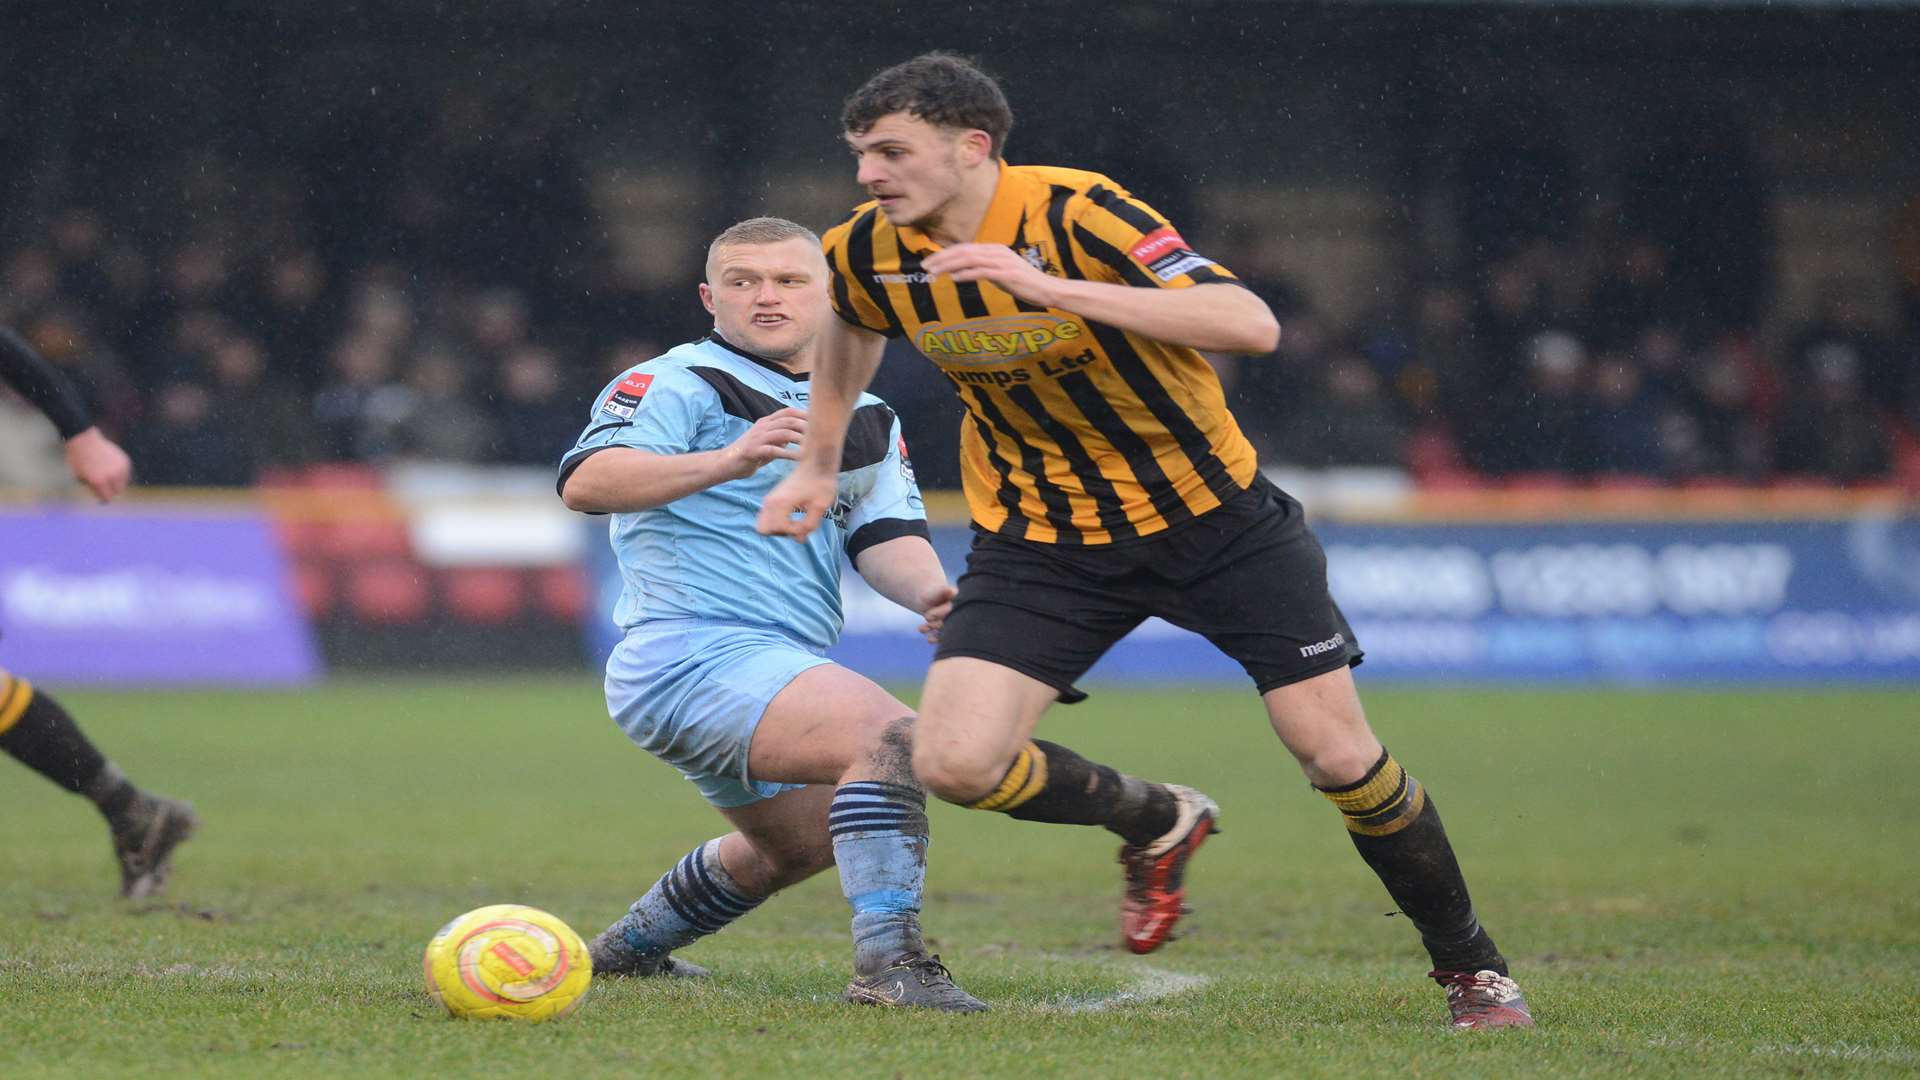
x,y
626,395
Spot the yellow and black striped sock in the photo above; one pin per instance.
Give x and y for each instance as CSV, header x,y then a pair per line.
x,y
1397,830
1048,782
1382,802
35,730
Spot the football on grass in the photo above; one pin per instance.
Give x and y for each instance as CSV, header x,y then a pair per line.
x,y
508,962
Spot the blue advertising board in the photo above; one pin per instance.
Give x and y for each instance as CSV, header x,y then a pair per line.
x,y
123,597
1624,602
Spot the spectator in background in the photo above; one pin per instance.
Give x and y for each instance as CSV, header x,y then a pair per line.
x,y
357,411
1841,323
537,417
442,422
1732,396
184,441
79,243
1620,428
267,413
287,301
1829,429
1264,391
1345,418
497,323
626,353
31,281
1444,358
1538,428
1634,296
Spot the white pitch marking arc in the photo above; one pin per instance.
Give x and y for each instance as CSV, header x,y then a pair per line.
x,y
1148,984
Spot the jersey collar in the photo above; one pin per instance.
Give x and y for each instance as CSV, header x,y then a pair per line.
x,y
773,366
1011,193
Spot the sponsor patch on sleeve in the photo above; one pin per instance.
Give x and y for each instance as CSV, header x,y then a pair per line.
x,y
1157,243
1177,262
625,396
906,463
1166,254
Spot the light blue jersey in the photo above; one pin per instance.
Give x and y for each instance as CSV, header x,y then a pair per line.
x,y
699,557
718,618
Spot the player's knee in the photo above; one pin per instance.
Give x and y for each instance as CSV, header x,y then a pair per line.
x,y
792,865
891,755
1335,764
957,777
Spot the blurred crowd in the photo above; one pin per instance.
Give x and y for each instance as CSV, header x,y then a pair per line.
x,y
1515,376
1634,339
449,297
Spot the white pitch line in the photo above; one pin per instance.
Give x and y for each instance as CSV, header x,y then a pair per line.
x,y
1148,985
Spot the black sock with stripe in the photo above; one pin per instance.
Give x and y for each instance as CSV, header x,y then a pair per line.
x,y
37,732
1048,782
1398,832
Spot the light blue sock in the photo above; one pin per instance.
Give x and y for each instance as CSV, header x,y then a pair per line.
x,y
696,898
879,835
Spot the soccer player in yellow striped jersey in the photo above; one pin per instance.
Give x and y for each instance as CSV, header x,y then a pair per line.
x,y
1108,483
35,729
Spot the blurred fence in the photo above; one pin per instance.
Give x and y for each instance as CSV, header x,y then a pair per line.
x,y
444,571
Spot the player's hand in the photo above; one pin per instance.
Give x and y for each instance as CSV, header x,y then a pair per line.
x,y
99,463
997,263
935,606
796,504
772,437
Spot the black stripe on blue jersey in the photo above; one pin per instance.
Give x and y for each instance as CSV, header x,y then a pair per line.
x,y
869,437
739,399
869,433
883,530
774,366
860,262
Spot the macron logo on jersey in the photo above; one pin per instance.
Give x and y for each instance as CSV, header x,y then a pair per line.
x,y
626,396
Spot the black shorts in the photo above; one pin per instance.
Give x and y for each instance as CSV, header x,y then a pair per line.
x,y
1248,576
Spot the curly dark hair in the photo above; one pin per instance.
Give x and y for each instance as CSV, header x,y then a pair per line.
x,y
939,87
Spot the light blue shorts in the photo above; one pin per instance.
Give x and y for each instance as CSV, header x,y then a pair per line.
x,y
691,693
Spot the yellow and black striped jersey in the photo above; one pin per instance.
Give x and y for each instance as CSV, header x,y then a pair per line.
x,y
1077,432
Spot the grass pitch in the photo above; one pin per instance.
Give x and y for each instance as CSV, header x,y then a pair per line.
x,y
1687,884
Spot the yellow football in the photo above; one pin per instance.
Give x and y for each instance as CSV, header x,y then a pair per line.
x,y
508,961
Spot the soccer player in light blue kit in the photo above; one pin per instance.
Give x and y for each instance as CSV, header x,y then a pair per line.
x,y
720,672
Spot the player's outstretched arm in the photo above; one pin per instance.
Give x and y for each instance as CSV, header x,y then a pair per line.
x,y
622,479
907,571
848,357
1212,317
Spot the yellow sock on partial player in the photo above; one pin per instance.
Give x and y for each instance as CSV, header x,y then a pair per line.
x,y
1025,778
1382,802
